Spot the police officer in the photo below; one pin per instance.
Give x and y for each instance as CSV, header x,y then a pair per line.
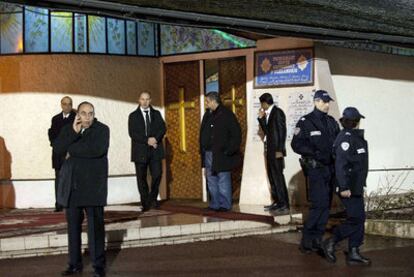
x,y
351,164
314,136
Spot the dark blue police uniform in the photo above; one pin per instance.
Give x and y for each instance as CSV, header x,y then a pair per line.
x,y
313,139
351,166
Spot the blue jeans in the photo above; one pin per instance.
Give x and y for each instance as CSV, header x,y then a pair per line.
x,y
218,184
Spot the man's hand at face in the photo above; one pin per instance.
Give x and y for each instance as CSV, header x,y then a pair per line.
x,y
77,124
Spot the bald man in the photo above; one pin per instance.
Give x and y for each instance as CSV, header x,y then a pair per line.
x,y
66,116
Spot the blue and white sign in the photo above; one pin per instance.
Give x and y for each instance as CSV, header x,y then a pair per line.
x,y
284,68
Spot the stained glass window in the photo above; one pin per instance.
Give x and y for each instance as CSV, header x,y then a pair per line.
x,y
146,36
36,35
61,31
80,33
157,43
97,34
178,39
11,28
131,38
116,36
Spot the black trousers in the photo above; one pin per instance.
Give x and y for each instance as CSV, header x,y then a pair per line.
x,y
277,179
96,234
56,187
148,196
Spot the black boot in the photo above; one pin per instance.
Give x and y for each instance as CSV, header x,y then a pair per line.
x,y
305,246
353,257
328,247
317,246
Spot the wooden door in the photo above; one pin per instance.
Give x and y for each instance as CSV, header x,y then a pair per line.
x,y
232,87
182,103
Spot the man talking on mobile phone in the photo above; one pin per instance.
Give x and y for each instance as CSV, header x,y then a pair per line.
x,y
85,144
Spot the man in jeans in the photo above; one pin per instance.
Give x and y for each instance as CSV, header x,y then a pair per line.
x,y
220,139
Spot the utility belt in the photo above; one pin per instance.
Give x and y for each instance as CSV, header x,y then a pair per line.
x,y
309,163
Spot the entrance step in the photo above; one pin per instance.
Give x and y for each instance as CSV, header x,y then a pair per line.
x,y
168,229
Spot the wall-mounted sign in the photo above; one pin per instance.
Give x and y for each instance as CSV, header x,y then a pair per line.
x,y
294,67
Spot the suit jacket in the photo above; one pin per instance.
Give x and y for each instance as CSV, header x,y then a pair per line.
x,y
88,155
57,124
139,140
275,130
226,139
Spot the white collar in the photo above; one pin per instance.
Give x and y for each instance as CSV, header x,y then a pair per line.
x,y
269,110
144,110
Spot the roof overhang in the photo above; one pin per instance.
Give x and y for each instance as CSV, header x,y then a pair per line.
x,y
250,27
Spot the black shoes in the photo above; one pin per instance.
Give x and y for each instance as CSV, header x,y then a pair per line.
x,y
282,209
99,272
269,207
154,204
277,207
313,246
328,247
353,257
305,249
58,208
72,270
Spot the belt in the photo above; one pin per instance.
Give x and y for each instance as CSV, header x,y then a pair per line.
x,y
311,163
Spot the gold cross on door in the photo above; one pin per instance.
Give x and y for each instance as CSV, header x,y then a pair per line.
x,y
181,106
233,101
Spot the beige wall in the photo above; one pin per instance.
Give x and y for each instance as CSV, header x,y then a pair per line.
x,y
31,87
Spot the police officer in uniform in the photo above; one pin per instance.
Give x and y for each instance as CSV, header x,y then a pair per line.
x,y
351,165
314,136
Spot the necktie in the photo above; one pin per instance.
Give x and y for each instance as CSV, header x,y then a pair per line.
x,y
147,123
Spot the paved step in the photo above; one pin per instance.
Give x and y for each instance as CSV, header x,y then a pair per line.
x,y
164,229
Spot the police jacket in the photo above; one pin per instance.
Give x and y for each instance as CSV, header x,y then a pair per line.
x,y
314,136
275,130
351,161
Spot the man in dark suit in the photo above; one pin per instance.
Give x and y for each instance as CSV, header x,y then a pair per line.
x,y
58,121
272,120
86,144
220,139
147,129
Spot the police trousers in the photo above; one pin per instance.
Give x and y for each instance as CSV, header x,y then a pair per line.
x,y
353,227
321,182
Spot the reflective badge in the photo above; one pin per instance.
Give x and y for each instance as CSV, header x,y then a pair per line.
x,y
360,150
315,133
297,131
345,146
